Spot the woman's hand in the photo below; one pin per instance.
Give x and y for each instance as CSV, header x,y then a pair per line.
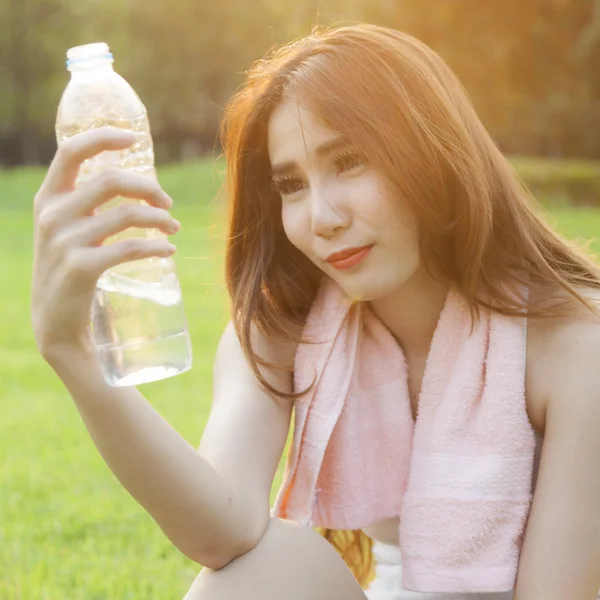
x,y
69,255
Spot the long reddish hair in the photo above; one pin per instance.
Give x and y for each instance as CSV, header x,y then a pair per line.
x,y
398,101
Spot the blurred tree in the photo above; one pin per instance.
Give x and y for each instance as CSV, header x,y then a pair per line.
x,y
201,52
528,66
532,67
34,37
23,81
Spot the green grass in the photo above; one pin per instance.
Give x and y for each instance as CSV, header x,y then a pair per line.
x,y
68,530
67,527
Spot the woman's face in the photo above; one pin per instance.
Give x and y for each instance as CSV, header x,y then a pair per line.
x,y
333,202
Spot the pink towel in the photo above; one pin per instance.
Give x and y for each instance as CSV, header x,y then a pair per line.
x,y
459,478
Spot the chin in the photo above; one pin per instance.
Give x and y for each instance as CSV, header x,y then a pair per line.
x,y
368,291
375,283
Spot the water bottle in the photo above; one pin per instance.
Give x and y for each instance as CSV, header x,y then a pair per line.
x,y
137,319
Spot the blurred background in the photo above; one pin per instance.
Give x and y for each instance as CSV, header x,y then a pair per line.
x,y
532,67
67,528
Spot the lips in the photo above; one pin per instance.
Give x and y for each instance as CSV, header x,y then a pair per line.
x,y
346,259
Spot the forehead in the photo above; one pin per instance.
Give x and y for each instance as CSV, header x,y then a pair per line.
x,y
294,130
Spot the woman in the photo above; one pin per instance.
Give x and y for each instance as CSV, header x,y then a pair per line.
x,y
368,204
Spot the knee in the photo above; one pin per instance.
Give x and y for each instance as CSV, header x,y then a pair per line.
x,y
288,557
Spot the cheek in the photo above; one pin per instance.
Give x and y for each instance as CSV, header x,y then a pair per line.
x,y
404,243
377,212
395,218
372,202
395,225
296,227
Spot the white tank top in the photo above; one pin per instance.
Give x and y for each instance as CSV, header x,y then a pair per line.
x,y
387,584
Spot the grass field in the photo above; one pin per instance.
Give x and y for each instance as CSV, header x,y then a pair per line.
x,y
68,530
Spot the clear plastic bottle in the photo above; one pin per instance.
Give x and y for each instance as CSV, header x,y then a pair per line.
x,y
137,320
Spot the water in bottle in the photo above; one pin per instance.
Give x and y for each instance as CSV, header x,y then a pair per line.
x,y
138,322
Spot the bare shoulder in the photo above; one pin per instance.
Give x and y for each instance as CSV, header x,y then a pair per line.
x,y
561,549
231,359
562,358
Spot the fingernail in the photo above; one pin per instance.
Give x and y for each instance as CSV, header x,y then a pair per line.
x,y
168,201
176,223
171,248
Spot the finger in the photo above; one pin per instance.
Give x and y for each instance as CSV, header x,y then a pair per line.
x,y
98,260
94,230
71,152
111,183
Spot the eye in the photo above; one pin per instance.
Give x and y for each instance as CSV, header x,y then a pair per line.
x,y
348,160
287,185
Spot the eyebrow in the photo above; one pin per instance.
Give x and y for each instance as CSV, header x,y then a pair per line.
x,y
322,150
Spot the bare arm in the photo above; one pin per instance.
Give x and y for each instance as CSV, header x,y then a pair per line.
x,y
561,551
247,428
212,504
181,491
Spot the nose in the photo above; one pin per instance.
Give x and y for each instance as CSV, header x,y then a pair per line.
x,y
329,215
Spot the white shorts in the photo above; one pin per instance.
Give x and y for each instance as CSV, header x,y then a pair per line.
x,y
387,584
